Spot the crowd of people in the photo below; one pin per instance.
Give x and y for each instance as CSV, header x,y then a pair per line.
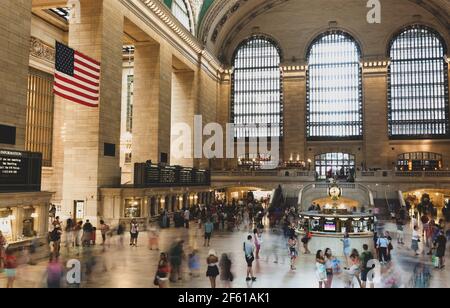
x,y
254,219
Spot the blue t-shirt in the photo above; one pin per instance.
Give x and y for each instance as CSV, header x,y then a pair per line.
x,y
209,227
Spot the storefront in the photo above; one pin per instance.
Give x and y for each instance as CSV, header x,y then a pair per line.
x,y
24,209
24,215
145,204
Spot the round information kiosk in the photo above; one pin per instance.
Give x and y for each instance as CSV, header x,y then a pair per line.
x,y
329,223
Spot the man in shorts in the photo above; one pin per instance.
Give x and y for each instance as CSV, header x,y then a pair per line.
x,y
249,250
209,228
365,257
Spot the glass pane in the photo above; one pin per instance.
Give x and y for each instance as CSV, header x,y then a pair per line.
x,y
334,88
257,98
418,85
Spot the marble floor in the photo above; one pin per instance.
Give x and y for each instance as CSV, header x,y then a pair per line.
x,y
129,267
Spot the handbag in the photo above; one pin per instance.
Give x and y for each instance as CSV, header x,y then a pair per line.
x,y
156,280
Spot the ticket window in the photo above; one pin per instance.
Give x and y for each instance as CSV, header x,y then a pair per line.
x,y
132,208
29,223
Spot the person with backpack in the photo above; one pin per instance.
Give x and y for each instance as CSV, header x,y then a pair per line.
x,y
441,247
383,249
249,251
87,234
365,257
55,241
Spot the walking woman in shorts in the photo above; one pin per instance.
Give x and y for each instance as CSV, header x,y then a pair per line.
x,y
10,268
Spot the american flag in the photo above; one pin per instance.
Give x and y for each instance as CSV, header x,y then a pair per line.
x,y
77,77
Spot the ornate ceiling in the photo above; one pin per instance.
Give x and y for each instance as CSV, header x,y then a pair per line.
x,y
216,19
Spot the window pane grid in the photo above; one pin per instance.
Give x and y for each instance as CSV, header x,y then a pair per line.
x,y
418,85
257,90
40,109
331,164
130,93
334,98
180,11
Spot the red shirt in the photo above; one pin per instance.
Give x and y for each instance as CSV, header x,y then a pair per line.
x,y
10,262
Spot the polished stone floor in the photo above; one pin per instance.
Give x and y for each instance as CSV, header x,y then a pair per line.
x,y
129,267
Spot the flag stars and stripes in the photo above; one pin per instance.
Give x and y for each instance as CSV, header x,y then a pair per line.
x,y
77,76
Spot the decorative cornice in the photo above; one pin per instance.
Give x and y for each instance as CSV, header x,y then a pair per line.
x,y
163,13
41,50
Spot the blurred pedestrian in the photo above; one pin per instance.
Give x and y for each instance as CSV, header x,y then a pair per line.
x,y
10,265
153,238
163,271
194,264
55,272
176,258
226,275
104,229
134,233
213,268
87,233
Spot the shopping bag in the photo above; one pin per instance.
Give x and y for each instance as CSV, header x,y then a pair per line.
x,y
435,261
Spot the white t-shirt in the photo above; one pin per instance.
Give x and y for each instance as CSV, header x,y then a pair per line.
x,y
415,235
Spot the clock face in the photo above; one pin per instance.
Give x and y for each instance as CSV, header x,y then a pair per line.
x,y
335,192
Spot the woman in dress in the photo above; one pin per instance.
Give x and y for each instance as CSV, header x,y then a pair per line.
x,y
347,248
329,260
321,271
213,268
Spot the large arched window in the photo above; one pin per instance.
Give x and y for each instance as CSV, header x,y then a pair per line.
x,y
181,12
257,108
334,98
418,85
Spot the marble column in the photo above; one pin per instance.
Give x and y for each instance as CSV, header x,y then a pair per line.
x,y
15,31
99,35
152,102
376,138
294,85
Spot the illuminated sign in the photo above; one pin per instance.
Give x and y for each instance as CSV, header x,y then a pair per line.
x,y
20,171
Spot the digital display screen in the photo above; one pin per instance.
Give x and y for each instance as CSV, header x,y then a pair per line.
x,y
20,171
330,226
